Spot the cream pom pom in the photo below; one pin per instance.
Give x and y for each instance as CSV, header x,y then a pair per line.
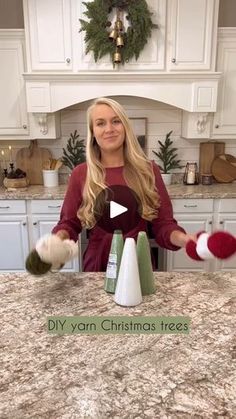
x,y
52,249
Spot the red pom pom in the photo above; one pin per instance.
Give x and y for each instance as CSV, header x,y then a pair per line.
x,y
191,250
222,244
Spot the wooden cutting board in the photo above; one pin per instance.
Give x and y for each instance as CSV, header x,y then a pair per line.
x,y
30,160
224,168
208,152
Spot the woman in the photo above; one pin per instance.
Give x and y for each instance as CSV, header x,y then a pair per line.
x,y
114,157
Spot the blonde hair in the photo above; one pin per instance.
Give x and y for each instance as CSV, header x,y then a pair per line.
x,y
137,172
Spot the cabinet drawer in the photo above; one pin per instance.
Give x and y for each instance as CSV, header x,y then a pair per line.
x,y
46,206
227,205
192,205
8,206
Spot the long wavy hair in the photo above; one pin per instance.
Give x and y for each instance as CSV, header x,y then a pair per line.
x,y
137,171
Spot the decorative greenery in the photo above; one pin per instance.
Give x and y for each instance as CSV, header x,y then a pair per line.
x,y
97,28
74,153
167,155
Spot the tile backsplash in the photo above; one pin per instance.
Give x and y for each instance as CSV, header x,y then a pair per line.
x,y
161,118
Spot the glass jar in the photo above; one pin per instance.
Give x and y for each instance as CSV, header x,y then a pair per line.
x,y
191,174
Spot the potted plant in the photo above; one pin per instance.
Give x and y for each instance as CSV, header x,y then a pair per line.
x,y
168,157
74,153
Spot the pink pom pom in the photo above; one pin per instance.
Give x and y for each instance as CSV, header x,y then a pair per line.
x,y
222,244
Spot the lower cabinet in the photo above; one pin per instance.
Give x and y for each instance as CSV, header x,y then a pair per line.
x,y
22,223
209,215
14,243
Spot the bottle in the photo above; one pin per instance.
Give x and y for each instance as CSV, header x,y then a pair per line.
x,y
145,264
128,290
114,260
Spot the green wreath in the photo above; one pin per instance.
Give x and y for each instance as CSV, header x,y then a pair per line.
x,y
97,28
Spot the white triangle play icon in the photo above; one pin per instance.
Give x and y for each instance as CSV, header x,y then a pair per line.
x,y
116,209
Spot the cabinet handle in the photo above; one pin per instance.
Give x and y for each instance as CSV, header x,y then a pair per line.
x,y
54,206
173,60
217,126
4,207
25,126
190,206
35,223
68,60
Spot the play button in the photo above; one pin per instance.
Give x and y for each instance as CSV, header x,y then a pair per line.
x,y
117,208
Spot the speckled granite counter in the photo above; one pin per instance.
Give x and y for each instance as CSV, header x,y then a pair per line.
x,y
176,191
117,376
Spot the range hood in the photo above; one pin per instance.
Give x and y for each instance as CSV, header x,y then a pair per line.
x,y
192,92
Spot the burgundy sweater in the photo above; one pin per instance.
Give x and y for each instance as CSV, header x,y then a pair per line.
x,y
96,255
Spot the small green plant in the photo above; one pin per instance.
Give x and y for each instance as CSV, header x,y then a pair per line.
x,y
74,153
167,154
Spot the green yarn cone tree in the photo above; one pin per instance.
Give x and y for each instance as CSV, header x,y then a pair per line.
x,y
114,260
145,264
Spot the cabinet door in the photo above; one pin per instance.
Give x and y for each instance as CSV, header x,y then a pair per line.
x,y
227,223
48,31
13,115
14,244
179,261
43,225
192,33
153,54
224,122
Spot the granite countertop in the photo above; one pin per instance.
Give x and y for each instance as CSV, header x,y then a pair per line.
x,y
117,376
216,190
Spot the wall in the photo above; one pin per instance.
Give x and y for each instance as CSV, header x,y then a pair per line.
x,y
227,13
11,13
161,119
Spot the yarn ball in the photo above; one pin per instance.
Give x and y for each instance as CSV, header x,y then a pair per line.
x,y
222,244
35,266
191,248
52,249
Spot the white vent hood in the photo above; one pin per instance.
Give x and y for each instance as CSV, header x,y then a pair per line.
x,y
192,92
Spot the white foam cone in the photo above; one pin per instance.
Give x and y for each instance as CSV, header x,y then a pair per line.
x,y
128,289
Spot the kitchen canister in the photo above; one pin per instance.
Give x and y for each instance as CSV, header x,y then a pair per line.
x,y
50,178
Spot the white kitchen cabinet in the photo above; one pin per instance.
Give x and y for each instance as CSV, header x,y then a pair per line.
x,y
14,243
48,34
151,58
192,28
193,215
45,215
13,114
226,220
224,121
209,215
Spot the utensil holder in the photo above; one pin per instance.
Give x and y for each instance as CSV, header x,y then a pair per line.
x,y
50,178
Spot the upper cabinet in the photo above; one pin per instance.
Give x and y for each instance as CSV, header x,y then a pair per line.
x,y
224,122
192,29
13,114
48,34
185,39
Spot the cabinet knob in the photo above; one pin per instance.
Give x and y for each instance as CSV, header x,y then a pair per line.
x,y
210,222
221,222
68,60
35,223
24,223
25,126
217,126
173,60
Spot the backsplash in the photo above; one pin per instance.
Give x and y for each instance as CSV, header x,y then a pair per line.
x,y
161,118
